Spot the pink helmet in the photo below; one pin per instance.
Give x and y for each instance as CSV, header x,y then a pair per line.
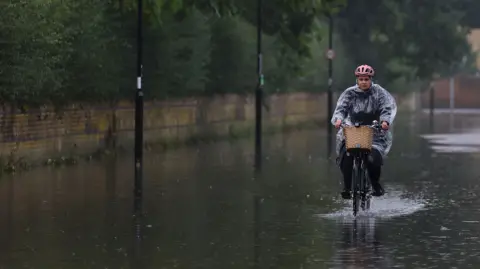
x,y
364,70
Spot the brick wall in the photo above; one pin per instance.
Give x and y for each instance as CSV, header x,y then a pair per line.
x,y
43,133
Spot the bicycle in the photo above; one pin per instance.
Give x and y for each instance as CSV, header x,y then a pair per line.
x,y
358,142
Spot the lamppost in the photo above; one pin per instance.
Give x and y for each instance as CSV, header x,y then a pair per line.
x,y
259,91
138,191
139,106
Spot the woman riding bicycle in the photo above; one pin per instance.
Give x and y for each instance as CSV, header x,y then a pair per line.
x,y
362,104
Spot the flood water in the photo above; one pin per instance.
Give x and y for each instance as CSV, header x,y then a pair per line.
x,y
203,207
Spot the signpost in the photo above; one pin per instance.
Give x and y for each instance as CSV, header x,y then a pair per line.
x,y
330,54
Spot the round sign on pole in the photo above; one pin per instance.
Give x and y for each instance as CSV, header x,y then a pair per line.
x,y
330,54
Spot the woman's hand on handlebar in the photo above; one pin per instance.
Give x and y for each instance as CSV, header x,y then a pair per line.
x,y
338,123
385,125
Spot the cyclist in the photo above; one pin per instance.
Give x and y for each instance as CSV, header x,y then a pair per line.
x,y
364,103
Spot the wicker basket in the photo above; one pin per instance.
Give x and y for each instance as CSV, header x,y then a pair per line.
x,y
358,137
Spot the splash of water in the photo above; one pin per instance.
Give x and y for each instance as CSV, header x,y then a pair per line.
x,y
389,206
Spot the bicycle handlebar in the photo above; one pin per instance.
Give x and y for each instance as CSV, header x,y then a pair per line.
x,y
374,125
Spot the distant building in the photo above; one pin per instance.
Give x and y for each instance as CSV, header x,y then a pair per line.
x,y
474,40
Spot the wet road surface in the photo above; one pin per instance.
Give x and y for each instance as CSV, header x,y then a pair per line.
x,y
204,208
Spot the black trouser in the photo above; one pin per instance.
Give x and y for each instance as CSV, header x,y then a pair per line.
x,y
374,167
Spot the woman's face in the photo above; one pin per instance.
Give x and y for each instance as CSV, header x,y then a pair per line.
x,y
364,82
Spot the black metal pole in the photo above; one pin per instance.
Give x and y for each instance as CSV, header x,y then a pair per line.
x,y
259,91
139,107
138,192
330,83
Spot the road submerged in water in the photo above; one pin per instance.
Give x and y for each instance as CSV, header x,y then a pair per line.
x,y
204,208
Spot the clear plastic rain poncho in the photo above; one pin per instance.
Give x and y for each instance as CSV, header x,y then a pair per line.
x,y
356,105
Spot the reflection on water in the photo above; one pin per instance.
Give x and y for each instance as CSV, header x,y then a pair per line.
x,y
203,207
455,142
360,246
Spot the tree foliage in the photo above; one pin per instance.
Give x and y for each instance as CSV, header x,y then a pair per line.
x,y
65,51
405,38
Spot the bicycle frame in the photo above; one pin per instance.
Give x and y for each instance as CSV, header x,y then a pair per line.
x,y
361,185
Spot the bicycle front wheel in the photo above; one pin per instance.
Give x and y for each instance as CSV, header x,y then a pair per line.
x,y
367,189
356,181
364,187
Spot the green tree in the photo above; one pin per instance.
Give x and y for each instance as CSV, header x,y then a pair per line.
x,y
176,56
63,52
404,39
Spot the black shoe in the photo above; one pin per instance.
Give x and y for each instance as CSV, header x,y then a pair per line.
x,y
377,190
346,194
